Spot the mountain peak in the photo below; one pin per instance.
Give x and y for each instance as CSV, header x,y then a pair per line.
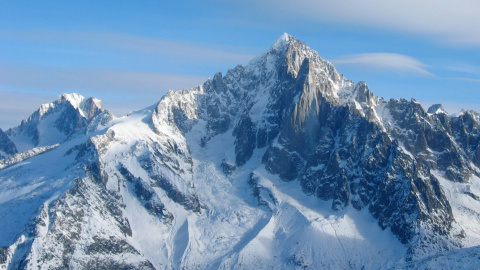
x,y
436,108
53,122
285,38
87,107
74,98
285,41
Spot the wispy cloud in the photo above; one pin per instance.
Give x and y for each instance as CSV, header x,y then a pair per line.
x,y
464,79
382,61
461,71
455,22
91,79
203,52
137,44
463,68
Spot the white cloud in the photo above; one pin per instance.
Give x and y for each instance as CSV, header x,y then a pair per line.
x,y
381,61
455,22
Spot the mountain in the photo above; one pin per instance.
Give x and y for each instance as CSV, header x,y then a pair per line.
x,y
282,163
54,122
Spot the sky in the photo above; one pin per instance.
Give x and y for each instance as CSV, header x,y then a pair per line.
x,y
130,53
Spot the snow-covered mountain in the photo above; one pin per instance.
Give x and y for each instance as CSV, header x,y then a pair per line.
x,y
54,122
279,164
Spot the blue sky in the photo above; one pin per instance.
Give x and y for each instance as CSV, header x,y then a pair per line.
x,y
130,53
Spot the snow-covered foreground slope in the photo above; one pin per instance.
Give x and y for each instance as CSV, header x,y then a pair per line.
x,y
281,164
282,226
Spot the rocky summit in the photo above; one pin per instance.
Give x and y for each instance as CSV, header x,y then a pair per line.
x,y
280,164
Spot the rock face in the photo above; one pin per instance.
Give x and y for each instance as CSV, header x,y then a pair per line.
x,y
283,163
7,147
